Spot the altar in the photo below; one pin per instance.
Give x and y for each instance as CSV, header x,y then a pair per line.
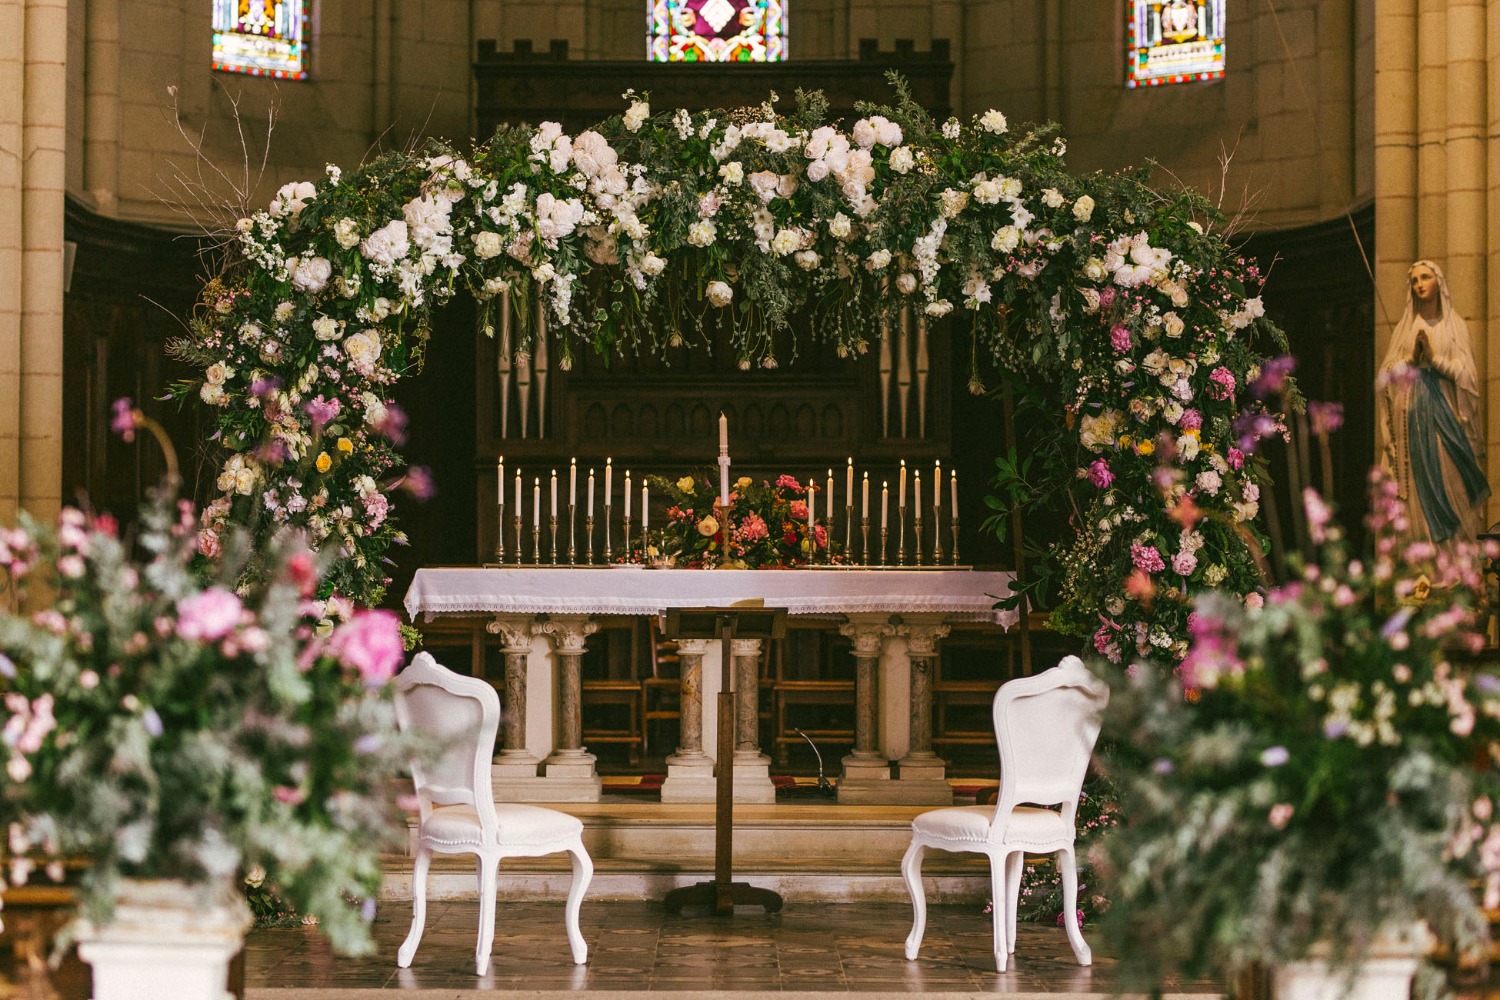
x,y
543,616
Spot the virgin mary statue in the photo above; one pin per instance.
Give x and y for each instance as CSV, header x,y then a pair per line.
x,y
1428,420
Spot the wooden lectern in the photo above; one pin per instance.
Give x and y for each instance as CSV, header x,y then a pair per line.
x,y
723,894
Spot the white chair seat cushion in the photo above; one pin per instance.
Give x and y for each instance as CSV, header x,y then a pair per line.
x,y
521,827
1029,827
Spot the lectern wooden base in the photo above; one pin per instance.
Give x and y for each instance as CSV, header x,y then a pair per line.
x,y
722,897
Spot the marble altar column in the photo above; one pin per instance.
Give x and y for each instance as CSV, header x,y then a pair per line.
x,y
922,773
515,770
568,771
866,776
690,771
752,769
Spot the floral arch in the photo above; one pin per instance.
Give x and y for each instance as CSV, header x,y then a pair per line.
x,y
647,228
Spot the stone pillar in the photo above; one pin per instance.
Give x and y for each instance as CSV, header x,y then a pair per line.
x,y
866,774
515,768
568,772
752,769
33,73
690,771
921,772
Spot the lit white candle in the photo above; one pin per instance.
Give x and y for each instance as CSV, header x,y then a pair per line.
x,y
591,492
885,502
500,479
812,505
609,481
829,503
954,494
645,507
916,489
865,510
554,492
573,484
627,493
849,484
518,495
536,502
937,486
901,498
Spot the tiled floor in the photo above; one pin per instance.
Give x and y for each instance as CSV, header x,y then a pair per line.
x,y
636,946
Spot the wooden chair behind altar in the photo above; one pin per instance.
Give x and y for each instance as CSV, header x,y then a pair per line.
x,y
613,704
810,691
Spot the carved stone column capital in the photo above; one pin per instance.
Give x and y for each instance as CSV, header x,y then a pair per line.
x,y
922,637
868,632
567,633
746,647
695,647
515,631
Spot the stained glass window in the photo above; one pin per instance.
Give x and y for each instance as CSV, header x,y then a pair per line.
x,y
1174,41
716,30
261,37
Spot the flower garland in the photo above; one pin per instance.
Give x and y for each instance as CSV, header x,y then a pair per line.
x,y
649,231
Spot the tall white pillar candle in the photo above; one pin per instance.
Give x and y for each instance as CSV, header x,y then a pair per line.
x,y
554,492
573,484
864,510
937,485
812,505
627,492
645,508
885,503
829,503
536,502
953,482
723,434
916,489
849,483
901,495
591,492
518,494
500,479
609,482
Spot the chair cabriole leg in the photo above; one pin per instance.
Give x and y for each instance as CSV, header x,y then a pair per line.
x,y
487,885
408,948
1069,866
583,873
999,902
1014,865
911,870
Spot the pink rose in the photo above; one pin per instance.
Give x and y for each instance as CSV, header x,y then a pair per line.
x,y
370,642
209,616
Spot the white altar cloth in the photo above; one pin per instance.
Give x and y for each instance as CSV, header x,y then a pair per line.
x,y
960,594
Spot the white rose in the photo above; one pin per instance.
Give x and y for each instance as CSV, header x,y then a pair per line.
x,y
839,226
901,160
719,293
785,242
346,232
808,260
1052,198
1094,269
375,411
363,350
326,328
941,307
652,265
387,244
1083,208
733,172
1209,482
1006,239
487,245
864,133
291,198
906,283
817,170
888,132
878,260
636,116
312,275
993,121
702,233
1173,324
987,192
217,373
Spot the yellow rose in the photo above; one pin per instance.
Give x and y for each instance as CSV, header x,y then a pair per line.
x,y
1125,440
685,484
708,527
1146,448
346,446
324,461
742,483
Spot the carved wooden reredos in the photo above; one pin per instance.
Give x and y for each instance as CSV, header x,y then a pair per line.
x,y
659,414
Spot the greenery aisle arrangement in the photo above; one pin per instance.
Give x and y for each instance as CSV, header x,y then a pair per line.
x,y
652,230
158,725
1318,776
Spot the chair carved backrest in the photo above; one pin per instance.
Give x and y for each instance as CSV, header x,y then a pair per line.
x,y
462,714
1046,726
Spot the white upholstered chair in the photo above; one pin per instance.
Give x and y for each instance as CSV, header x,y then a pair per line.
x,y
458,812
1046,726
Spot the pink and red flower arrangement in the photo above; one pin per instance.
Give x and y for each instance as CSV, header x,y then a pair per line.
x,y
764,526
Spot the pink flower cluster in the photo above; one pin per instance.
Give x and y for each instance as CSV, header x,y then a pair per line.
x,y
1147,558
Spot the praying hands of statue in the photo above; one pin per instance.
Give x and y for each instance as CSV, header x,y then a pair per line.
x,y
1421,352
